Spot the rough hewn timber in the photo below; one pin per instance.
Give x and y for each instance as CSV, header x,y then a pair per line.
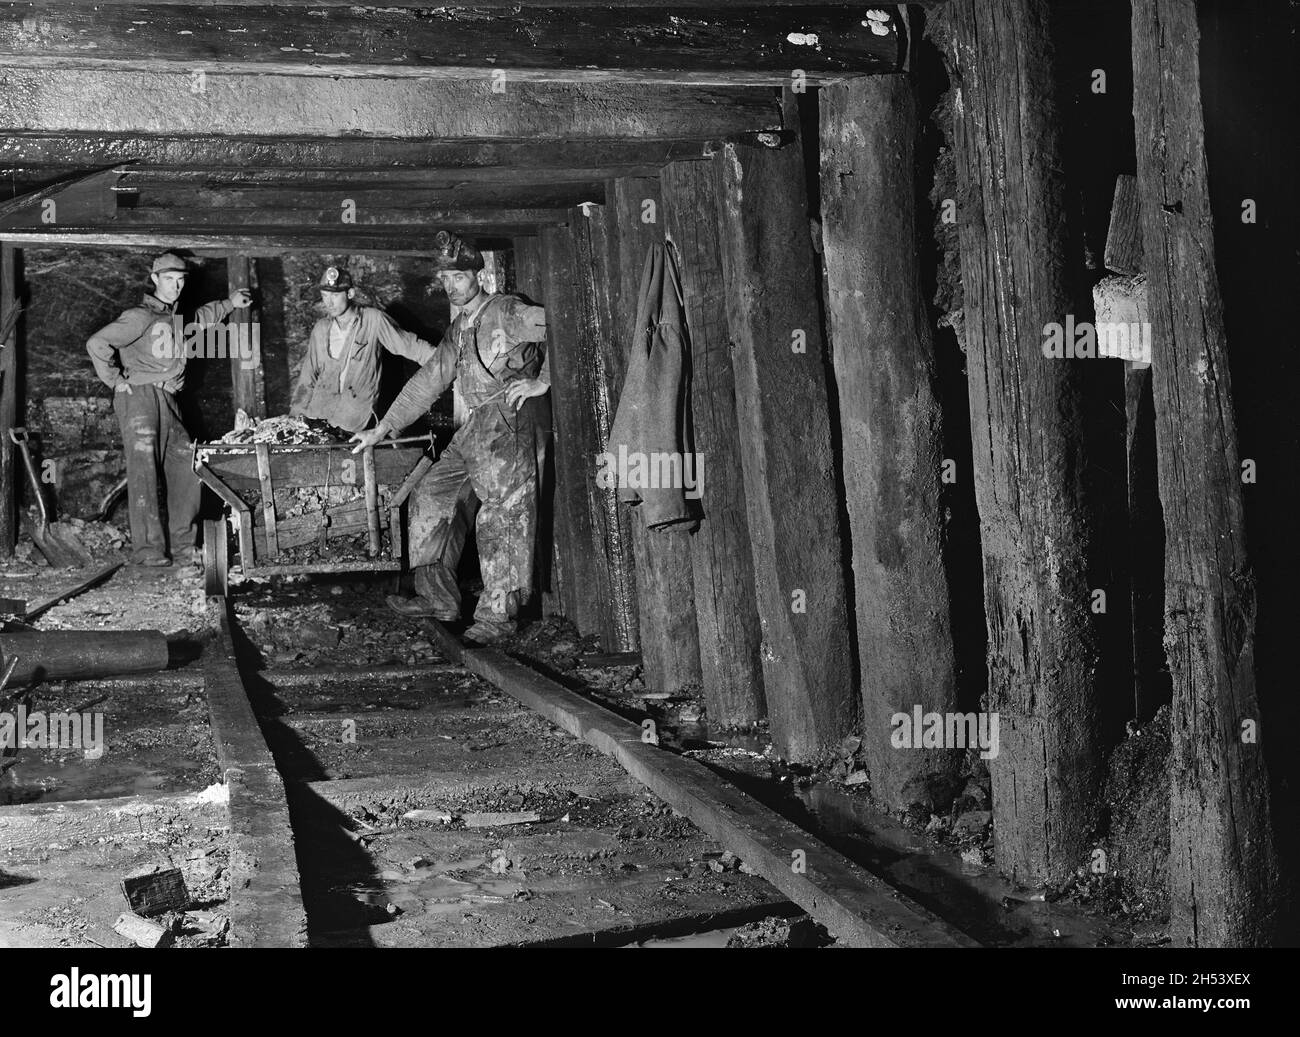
x,y
8,399
602,43
882,348
196,154
1222,864
265,905
721,558
786,451
1026,415
670,646
612,524
586,592
78,100
255,241
412,221
365,199
526,278
248,391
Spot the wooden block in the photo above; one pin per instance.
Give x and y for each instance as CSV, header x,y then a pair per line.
x,y
144,932
509,817
1124,239
155,892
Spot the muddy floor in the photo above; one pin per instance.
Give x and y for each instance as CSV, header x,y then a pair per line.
x,y
394,780
62,864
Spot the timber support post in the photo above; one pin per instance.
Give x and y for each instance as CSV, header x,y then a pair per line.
x,y
722,564
882,346
248,387
1027,413
1222,863
9,313
787,454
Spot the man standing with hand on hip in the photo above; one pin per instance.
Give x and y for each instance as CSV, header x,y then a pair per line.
x,y
141,358
495,353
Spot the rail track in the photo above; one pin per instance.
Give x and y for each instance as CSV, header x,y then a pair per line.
x,y
456,798
474,802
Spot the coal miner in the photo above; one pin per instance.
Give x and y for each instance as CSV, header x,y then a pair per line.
x,y
494,352
339,380
136,356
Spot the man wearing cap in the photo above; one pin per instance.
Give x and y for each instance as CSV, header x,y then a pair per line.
x,y
138,358
494,352
339,380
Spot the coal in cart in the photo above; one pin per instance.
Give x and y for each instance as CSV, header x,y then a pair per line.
x,y
296,508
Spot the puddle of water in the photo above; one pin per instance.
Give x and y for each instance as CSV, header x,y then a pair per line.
x,y
60,777
715,938
966,895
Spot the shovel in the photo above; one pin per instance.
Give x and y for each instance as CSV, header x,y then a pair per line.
x,y
55,541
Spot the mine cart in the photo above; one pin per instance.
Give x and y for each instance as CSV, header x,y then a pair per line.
x,y
309,507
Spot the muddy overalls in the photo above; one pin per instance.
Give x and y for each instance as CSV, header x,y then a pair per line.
x,y
491,459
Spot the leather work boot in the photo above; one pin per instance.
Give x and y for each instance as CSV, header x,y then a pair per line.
x,y
489,631
417,607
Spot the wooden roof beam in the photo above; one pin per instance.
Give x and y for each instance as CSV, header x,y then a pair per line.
x,y
734,44
128,102
204,152
268,241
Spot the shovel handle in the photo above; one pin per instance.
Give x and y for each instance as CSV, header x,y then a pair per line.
x,y
19,436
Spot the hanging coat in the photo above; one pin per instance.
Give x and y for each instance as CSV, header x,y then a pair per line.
x,y
652,427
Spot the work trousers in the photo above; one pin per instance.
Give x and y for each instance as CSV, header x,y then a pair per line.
x,y
490,465
154,440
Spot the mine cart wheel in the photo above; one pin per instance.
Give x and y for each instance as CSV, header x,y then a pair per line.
x,y
215,557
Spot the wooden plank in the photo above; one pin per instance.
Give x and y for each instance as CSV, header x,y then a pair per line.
x,y
80,100
754,45
369,201
1124,237
586,589
1223,867
858,908
268,241
268,501
265,904
1036,523
66,201
248,389
436,185
395,222
291,8
721,558
787,457
8,401
77,151
668,632
611,523
886,377
306,467
527,279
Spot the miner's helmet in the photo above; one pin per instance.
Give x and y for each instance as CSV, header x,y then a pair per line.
x,y
335,279
452,252
168,261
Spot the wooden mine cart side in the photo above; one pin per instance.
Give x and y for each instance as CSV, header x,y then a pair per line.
x,y
238,472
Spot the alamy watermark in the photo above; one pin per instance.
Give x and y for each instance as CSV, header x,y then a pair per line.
x,y
635,470
53,730
177,340
1121,340
920,730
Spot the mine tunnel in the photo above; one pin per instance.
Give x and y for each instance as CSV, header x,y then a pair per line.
x,y
713,474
